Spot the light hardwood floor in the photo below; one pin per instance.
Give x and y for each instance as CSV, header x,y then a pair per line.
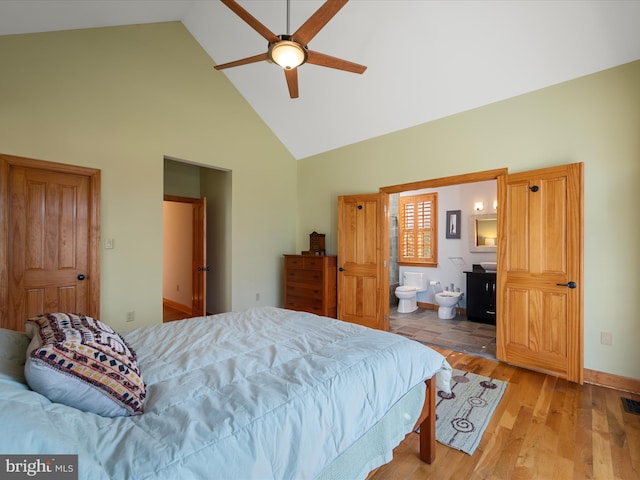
x,y
543,428
170,314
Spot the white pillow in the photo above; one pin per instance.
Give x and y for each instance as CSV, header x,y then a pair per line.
x,y
83,363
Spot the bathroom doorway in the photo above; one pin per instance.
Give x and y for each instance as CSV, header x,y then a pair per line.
x,y
471,195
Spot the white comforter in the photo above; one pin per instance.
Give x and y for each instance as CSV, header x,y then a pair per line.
x,y
266,393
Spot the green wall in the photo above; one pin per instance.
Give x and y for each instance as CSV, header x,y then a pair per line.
x,y
121,99
594,119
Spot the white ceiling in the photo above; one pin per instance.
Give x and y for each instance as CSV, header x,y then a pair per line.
x,y
426,59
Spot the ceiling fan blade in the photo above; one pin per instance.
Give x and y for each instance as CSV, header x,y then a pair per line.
x,y
251,21
319,19
243,61
323,60
292,81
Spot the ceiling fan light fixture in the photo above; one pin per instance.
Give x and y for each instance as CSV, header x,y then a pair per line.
x,y
290,51
287,54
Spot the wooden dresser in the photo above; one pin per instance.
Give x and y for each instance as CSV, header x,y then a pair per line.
x,y
310,284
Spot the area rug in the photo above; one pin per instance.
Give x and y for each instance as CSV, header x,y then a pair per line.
x,y
463,415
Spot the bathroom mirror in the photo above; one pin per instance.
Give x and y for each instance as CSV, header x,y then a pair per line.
x,y
483,233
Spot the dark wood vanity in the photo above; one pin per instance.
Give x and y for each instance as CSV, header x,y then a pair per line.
x,y
481,295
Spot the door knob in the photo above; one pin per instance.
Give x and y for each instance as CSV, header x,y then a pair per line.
x,y
81,277
570,284
341,269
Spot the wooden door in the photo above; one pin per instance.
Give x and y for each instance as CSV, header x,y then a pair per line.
x,y
50,226
199,264
360,265
540,273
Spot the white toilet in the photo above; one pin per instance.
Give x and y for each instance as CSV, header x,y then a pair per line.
x,y
413,282
447,302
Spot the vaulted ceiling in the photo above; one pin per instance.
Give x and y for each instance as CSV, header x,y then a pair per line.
x,y
426,59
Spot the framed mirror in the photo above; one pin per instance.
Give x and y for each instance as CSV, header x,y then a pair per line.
x,y
483,233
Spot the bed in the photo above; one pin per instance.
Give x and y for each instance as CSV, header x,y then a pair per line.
x,y
265,393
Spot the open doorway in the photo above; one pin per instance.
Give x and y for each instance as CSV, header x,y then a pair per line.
x,y
465,197
188,180
184,257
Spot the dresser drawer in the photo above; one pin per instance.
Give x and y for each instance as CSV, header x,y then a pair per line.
x,y
304,304
313,277
293,262
306,262
312,263
302,290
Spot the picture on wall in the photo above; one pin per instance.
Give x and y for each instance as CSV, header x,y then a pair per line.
x,y
453,223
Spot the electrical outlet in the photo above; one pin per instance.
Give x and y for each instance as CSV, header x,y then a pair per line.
x,y
131,316
606,338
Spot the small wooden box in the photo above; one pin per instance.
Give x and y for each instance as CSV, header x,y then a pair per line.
x,y
316,244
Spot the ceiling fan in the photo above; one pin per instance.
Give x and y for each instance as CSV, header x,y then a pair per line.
x,y
290,51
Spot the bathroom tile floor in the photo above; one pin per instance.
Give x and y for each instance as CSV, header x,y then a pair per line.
x,y
458,334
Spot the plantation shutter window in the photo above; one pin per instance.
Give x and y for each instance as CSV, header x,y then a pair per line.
x,y
418,230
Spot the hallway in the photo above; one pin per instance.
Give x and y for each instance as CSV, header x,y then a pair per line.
x,y
458,334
